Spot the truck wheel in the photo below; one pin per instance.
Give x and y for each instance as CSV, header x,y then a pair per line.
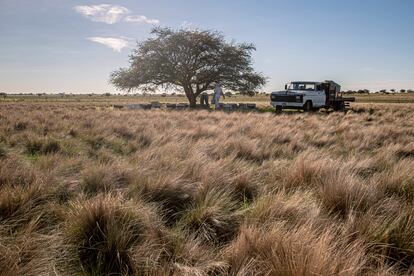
x,y
308,107
339,106
279,108
342,107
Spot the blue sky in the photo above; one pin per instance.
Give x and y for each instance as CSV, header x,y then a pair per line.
x,y
72,46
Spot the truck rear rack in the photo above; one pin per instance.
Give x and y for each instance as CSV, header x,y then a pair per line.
x,y
348,99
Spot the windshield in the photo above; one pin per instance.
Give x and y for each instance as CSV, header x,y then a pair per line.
x,y
302,86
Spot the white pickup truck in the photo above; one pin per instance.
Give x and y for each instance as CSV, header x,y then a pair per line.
x,y
310,95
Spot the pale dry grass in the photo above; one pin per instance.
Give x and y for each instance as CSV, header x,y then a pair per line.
x,y
87,191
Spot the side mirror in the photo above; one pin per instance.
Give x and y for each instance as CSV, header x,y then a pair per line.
x,y
285,86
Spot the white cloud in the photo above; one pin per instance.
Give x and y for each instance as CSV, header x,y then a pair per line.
x,y
115,43
109,14
141,19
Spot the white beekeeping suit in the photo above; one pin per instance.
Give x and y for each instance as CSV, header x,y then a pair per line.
x,y
218,92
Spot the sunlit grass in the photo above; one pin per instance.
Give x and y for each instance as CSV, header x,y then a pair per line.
x,y
88,191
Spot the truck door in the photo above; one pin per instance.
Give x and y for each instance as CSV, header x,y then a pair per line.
x,y
320,96
316,94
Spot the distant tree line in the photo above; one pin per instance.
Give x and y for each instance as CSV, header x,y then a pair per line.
x,y
382,91
228,93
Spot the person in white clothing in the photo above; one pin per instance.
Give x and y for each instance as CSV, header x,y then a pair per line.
x,y
218,92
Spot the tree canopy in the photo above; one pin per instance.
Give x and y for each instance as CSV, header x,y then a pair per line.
x,y
191,60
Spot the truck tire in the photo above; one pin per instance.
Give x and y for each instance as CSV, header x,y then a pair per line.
x,y
308,106
339,107
342,107
279,108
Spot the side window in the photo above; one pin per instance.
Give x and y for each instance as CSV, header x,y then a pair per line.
x,y
310,87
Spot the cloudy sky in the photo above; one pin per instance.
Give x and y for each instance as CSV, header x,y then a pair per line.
x,y
72,46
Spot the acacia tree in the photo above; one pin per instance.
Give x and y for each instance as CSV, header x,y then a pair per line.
x,y
191,60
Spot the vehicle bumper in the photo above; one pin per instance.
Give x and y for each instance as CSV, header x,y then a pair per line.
x,y
287,105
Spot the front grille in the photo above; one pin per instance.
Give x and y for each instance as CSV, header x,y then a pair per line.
x,y
287,98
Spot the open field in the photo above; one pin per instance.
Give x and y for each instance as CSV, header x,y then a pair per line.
x,y
260,100
99,191
386,98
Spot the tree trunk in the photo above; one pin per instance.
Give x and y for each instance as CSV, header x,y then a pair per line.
x,y
192,99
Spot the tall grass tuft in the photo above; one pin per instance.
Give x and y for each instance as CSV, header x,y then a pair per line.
x,y
17,172
387,228
103,232
300,251
172,195
3,151
104,179
214,217
42,146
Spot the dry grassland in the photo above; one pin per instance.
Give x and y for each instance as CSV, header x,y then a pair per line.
x,y
261,99
86,191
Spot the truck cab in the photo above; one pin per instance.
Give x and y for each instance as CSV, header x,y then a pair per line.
x,y
308,95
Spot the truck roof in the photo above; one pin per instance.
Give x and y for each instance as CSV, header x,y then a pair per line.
x,y
316,82
306,82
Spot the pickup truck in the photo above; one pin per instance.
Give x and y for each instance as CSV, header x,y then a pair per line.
x,y
309,96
